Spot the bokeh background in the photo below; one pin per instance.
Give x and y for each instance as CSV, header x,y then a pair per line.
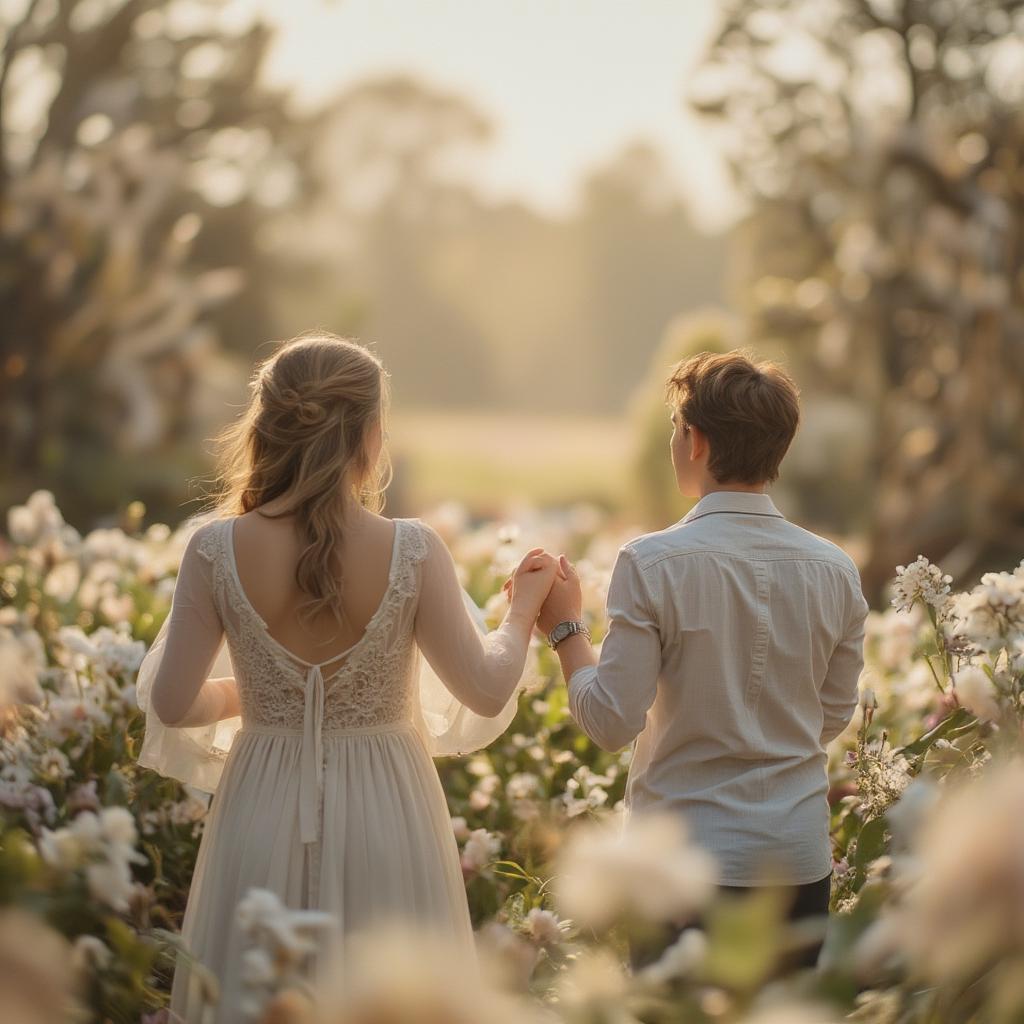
x,y
530,210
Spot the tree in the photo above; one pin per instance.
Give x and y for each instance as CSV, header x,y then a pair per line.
x,y
880,143
123,127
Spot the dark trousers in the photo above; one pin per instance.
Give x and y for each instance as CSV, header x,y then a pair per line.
x,y
805,901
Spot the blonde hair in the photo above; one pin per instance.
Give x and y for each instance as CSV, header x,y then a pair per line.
x,y
312,406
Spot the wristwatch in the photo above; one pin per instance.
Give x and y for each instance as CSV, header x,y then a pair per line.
x,y
564,630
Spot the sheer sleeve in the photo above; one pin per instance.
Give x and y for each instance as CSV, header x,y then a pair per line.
x,y
185,684
470,683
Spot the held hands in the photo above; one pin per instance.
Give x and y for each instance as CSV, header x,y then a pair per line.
x,y
545,590
530,584
564,602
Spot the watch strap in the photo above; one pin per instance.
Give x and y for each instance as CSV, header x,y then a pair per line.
x,y
564,630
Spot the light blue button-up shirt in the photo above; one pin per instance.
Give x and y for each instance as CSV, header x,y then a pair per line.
x,y
733,655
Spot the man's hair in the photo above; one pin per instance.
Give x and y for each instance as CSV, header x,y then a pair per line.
x,y
748,411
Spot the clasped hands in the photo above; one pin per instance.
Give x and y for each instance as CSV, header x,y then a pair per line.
x,y
545,590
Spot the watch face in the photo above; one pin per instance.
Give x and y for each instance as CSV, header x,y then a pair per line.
x,y
561,631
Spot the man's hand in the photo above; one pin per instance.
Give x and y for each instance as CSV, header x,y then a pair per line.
x,y
564,602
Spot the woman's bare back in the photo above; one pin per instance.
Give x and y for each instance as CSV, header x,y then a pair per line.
x,y
266,553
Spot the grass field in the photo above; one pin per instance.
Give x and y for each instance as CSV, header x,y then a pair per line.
x,y
492,460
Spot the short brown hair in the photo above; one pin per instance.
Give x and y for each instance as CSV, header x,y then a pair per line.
x,y
749,412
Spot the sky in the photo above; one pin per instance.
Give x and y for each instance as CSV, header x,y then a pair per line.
x,y
568,83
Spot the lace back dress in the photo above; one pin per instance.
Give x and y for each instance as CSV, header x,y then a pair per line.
x,y
328,795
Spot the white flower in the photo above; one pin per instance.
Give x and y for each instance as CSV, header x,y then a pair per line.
x,y
480,849
892,637
21,524
86,828
110,882
21,661
76,641
544,927
61,849
976,692
118,826
117,652
399,974
460,828
257,967
54,764
255,907
522,786
648,869
595,978
479,800
920,581
680,959
507,957
962,910
993,612
287,934
62,581
89,952
105,845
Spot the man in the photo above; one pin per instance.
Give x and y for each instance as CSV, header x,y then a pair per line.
x,y
734,647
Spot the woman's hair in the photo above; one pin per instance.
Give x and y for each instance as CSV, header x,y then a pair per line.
x,y
748,410
312,407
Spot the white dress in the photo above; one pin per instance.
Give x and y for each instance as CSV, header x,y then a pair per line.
x,y
328,795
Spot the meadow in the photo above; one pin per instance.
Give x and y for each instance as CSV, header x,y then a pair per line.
x,y
489,460
927,801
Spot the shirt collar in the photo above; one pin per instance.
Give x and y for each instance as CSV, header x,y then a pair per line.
x,y
742,502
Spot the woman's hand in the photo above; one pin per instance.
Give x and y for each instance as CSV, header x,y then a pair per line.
x,y
530,584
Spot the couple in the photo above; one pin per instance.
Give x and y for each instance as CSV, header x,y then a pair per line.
x,y
733,653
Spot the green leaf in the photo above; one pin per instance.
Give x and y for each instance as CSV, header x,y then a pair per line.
x,y
870,842
958,719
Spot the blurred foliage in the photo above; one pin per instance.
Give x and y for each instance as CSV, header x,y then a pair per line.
x,y
653,476
880,147
96,853
822,480
138,152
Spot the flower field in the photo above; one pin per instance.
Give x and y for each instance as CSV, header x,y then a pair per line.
x,y
927,798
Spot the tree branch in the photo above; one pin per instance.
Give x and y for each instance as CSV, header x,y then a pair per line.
x,y
10,50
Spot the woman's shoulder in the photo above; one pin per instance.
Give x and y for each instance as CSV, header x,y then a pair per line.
x,y
201,528
420,537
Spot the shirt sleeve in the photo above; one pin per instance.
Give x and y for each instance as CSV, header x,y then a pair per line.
x,y
610,700
839,690
182,695
479,670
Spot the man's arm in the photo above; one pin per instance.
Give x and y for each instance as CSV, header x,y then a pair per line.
x,y
609,697
839,693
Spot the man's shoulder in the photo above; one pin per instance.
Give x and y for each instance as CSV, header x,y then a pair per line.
x,y
822,548
677,539
699,537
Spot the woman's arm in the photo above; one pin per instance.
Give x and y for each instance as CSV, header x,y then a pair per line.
x,y
479,670
182,695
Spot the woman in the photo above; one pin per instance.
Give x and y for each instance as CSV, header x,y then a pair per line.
x,y
328,796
